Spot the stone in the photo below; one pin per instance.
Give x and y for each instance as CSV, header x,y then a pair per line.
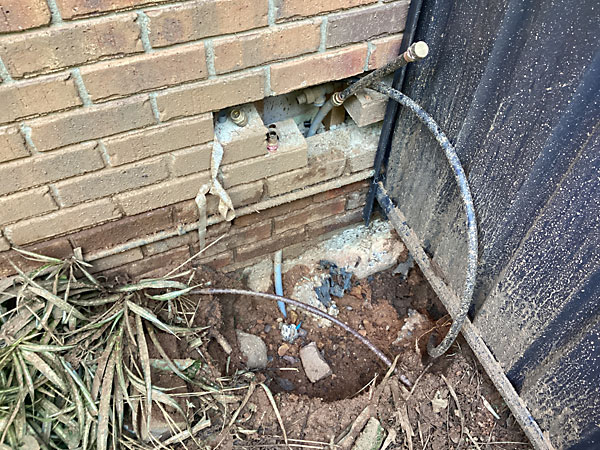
x,y
254,350
315,366
371,437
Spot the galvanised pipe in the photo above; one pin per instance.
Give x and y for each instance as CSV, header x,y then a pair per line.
x,y
465,193
415,52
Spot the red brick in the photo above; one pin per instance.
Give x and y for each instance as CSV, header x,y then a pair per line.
x,y
196,20
356,199
70,45
123,230
313,213
61,222
17,15
385,50
84,124
152,141
70,9
363,24
25,204
277,242
119,259
12,144
126,76
56,248
151,267
334,223
286,9
211,95
271,44
38,96
315,69
217,261
162,194
276,211
47,168
112,181
291,154
324,196
165,245
236,237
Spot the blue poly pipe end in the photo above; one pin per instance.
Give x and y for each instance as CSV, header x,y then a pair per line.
x,y
279,283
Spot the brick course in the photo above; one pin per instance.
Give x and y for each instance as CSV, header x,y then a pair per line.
x,y
159,139
211,95
26,204
70,44
112,181
17,15
286,9
47,168
127,76
70,9
272,44
196,20
85,124
358,26
37,96
60,222
290,75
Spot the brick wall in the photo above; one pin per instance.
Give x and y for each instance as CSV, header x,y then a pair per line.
x,y
107,118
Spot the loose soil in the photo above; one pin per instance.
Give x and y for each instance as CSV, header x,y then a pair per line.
x,y
315,415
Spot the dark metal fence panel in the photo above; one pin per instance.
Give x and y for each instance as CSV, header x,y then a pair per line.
x,y
516,87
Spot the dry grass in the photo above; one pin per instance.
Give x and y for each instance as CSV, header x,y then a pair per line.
x,y
75,367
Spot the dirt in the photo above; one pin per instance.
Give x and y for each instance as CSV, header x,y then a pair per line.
x,y
315,415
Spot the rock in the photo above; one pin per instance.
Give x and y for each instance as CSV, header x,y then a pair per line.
x,y
315,366
283,349
254,349
371,437
260,276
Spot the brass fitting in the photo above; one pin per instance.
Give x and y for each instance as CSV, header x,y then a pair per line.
x,y
272,139
416,52
238,117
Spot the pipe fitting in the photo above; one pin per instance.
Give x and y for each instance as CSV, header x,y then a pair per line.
x,y
238,117
416,52
272,139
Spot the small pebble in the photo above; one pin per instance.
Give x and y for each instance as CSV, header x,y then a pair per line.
x,y
283,349
290,359
285,384
268,328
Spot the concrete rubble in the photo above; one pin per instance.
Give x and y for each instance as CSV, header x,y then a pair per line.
x,y
315,366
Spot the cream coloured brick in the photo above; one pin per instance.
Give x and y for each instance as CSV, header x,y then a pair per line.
x,y
84,124
69,45
50,167
136,145
191,160
366,107
162,194
112,181
242,142
126,76
4,244
270,44
195,20
315,69
324,163
26,204
211,95
12,144
291,154
37,96
61,222
17,15
286,9
241,195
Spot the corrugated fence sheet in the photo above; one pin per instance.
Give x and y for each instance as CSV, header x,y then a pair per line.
x,y
516,87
